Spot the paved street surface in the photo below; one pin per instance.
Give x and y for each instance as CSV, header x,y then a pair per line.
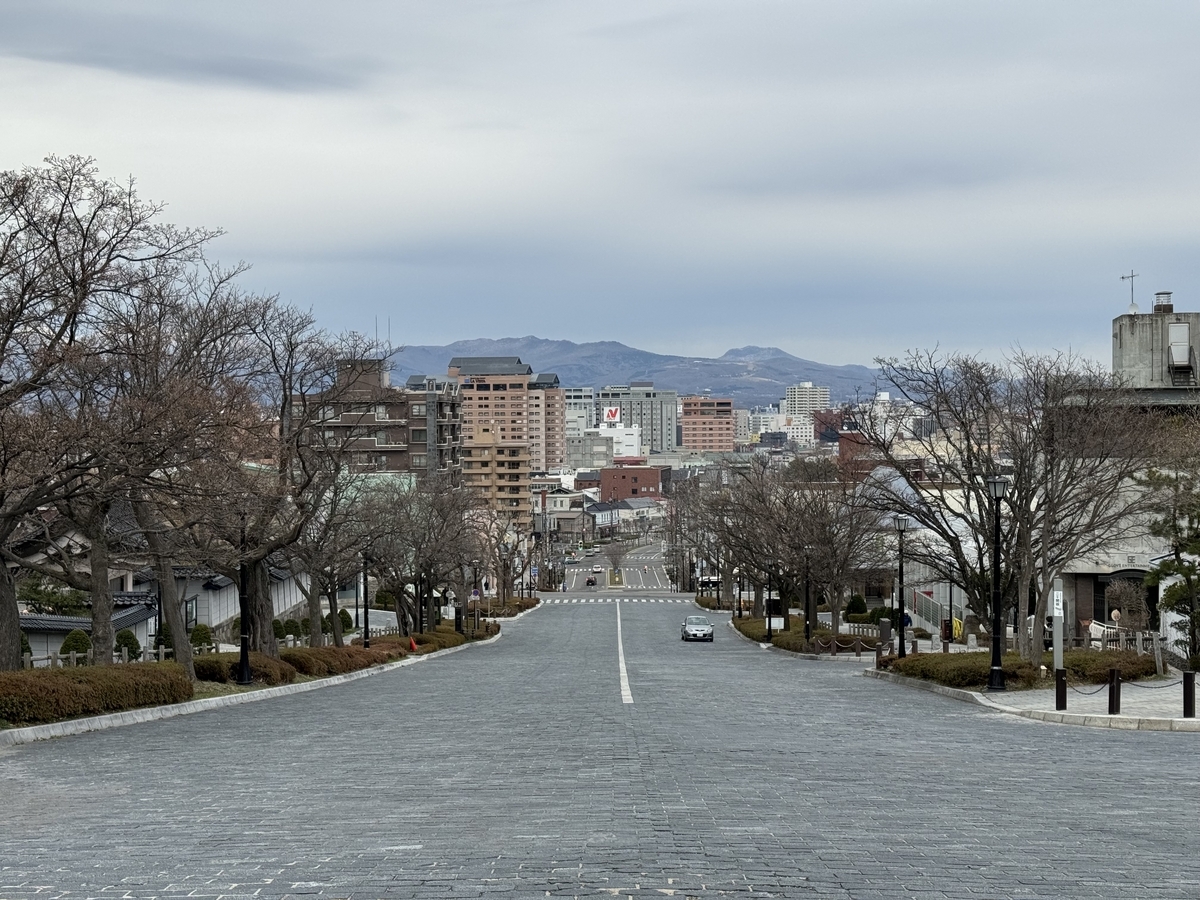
x,y
522,769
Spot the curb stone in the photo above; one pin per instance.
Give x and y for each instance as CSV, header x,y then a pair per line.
x,y
13,736
1089,720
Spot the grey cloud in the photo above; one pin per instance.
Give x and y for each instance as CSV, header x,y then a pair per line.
x,y
149,42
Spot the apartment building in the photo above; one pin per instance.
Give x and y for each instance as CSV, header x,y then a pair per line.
x,y
546,404
412,429
707,423
799,404
639,403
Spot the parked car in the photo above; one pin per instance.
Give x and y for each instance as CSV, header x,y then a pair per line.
x,y
697,628
591,581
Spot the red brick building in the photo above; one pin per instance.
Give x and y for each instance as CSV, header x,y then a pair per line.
x,y
627,482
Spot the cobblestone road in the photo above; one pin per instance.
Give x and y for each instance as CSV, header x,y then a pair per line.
x,y
516,770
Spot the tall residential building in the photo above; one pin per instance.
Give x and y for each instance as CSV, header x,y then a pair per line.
x,y
707,423
638,403
496,442
413,429
741,426
580,410
547,423
799,404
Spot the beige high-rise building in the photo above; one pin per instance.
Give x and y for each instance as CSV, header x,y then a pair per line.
x,y
547,410
496,427
707,423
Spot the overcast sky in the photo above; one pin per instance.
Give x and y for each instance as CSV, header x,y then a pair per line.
x,y
841,179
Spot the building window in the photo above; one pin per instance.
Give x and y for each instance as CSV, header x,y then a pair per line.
x,y
419,461
418,409
419,435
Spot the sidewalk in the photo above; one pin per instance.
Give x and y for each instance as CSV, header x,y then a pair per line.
x,y
1145,706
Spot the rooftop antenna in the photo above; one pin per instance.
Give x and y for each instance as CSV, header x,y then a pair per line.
x,y
1133,307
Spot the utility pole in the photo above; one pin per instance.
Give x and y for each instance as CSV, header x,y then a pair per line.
x,y
1132,275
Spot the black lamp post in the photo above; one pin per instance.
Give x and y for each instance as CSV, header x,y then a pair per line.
x,y
366,606
997,487
901,527
808,616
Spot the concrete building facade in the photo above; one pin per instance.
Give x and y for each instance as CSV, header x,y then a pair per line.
x,y
580,410
639,403
547,423
1157,352
799,404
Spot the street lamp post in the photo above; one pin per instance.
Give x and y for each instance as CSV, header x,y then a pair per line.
x,y
901,527
808,616
997,487
366,605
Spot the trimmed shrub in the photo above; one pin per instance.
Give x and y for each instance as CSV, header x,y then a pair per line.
x,y
201,636
395,644
963,670
856,605
1091,666
755,629
76,640
163,638
292,627
881,612
222,667
863,618
326,625
127,639
25,648
320,661
34,696
277,627
346,620
921,633
305,627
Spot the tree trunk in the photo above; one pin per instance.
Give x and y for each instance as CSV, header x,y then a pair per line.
x,y
312,594
335,621
758,601
10,623
102,597
262,612
168,594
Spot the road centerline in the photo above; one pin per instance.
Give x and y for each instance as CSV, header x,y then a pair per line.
x,y
626,694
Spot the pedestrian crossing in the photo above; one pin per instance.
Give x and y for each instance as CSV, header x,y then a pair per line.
x,y
565,600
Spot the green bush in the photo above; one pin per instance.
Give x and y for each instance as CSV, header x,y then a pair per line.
x,y
438,639
25,648
346,620
383,600
127,639
305,627
292,627
856,605
277,627
34,696
881,612
326,625
76,640
921,633
222,667
863,618
201,636
163,637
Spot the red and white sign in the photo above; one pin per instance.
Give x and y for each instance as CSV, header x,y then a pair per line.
x,y
612,415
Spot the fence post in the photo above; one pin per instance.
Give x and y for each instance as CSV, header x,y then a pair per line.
x,y
162,653
858,647
914,647
1156,643
879,655
945,646
833,644
1114,692
73,659
1060,689
27,661
1189,695
55,662
124,654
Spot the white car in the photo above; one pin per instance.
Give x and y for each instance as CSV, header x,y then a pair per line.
x,y
697,628
597,568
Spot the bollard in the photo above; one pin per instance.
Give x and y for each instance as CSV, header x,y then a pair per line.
x,y
945,646
858,647
879,655
1114,692
1060,689
1189,695
914,647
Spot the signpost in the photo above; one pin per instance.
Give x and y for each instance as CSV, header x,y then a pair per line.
x,y
1057,612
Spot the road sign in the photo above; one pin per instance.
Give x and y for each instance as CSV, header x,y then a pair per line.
x,y
533,571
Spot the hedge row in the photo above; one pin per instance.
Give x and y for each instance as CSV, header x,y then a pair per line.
x,y
970,670
222,668
34,696
321,661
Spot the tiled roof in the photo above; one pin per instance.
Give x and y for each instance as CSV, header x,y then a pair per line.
x,y
126,618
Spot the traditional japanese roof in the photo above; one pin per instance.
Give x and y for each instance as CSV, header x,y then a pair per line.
x,y
126,618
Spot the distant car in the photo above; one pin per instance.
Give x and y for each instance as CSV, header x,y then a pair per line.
x,y
597,568
591,581
697,628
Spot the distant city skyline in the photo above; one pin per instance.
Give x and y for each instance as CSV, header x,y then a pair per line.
x,y
842,181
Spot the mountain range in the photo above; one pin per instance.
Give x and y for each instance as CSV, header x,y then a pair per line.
x,y
752,376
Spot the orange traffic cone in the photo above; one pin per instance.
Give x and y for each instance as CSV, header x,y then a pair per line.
x,y
412,643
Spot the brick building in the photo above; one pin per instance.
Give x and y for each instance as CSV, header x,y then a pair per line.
x,y
626,482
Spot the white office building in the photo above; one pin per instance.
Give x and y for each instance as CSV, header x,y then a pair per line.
x,y
798,406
